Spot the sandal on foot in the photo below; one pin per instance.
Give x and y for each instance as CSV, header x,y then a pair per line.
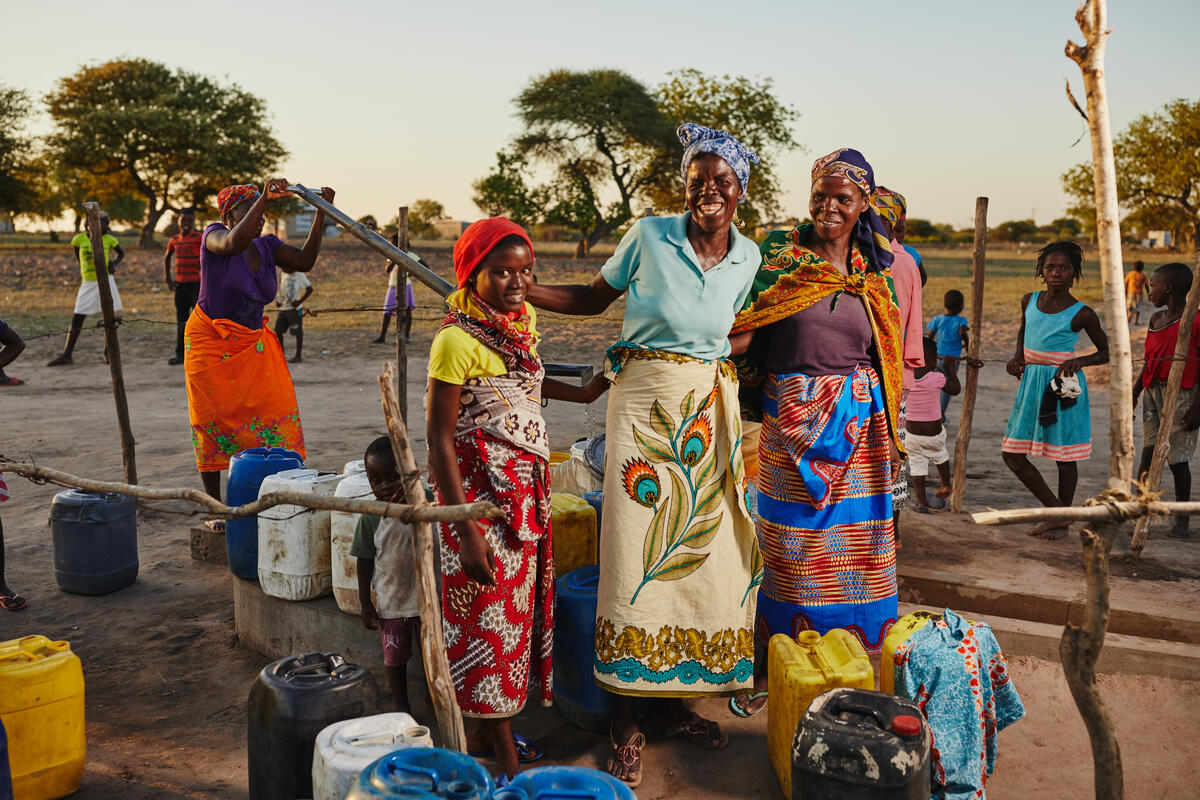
x,y
13,602
527,751
10,381
625,762
739,710
704,733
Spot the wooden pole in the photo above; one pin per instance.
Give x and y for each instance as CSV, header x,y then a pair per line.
x,y
433,643
401,343
1162,443
962,440
1080,646
111,345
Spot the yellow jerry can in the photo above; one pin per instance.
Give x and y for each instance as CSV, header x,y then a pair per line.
x,y
574,532
41,706
799,670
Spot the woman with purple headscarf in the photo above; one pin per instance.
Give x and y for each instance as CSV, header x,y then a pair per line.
x,y
821,368
678,561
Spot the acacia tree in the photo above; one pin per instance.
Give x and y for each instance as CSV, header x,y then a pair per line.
x,y
1158,172
506,191
15,192
179,136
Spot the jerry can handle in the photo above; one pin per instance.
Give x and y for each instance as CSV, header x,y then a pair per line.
x,y
842,704
428,772
334,662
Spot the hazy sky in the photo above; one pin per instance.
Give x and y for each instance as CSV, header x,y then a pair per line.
x,y
392,101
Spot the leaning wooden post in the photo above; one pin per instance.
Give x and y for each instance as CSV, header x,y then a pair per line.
x,y
433,643
1080,646
962,439
1162,443
401,343
111,345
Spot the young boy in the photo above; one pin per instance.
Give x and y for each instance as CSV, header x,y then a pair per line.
x,y
1135,288
87,299
294,289
926,440
185,247
13,345
389,542
950,329
1169,287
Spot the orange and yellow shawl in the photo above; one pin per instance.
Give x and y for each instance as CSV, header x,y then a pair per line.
x,y
792,278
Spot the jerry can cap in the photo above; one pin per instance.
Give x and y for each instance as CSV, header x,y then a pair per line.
x,y
906,725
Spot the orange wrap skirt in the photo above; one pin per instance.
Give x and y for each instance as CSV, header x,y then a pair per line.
x,y
240,393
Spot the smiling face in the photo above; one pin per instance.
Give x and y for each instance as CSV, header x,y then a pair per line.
x,y
1057,271
187,222
711,192
835,205
504,276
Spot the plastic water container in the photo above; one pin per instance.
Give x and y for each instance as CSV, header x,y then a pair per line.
x,y
344,749
574,527
246,472
576,694
6,792
799,670
294,561
900,632
341,536
424,772
290,703
351,467
41,708
564,783
95,541
596,501
855,744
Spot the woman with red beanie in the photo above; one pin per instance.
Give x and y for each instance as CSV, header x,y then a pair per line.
x,y
487,441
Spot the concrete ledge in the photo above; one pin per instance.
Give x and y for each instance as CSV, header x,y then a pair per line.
x,y
1122,653
968,593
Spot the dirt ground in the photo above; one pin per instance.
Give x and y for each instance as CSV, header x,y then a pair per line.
x,y
167,681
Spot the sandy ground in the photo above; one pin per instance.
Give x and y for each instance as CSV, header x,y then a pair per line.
x,y
167,681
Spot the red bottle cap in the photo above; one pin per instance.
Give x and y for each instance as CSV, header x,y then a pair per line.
x,y
906,725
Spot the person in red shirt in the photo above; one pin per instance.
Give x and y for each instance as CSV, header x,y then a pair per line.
x,y
1169,286
185,247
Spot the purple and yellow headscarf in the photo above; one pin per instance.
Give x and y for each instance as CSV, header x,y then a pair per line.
x,y
889,205
869,231
231,197
698,139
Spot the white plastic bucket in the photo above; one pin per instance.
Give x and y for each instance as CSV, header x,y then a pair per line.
x,y
344,749
293,541
341,536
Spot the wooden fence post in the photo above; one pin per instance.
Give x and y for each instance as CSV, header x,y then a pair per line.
x,y
111,345
401,312
962,439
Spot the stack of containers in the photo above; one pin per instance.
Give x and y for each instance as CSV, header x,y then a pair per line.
x,y
293,541
41,709
341,535
246,472
345,749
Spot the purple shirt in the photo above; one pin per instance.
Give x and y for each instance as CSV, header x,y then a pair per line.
x,y
821,340
229,290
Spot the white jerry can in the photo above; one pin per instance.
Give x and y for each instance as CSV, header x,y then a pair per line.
x,y
293,541
344,749
341,536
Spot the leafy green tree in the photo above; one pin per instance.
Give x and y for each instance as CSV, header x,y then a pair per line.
x,y
747,109
421,216
1066,227
505,191
1158,172
179,136
15,191
1014,230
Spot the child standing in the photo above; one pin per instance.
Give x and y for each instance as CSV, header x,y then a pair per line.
x,y
1135,288
384,549
1169,286
950,329
13,346
1043,422
391,305
185,248
87,299
926,440
487,440
294,289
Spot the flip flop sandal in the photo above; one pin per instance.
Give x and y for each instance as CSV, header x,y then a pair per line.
x,y
625,763
739,710
704,733
527,751
13,602
12,382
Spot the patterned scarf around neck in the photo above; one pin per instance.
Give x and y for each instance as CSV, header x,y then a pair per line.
x,y
512,336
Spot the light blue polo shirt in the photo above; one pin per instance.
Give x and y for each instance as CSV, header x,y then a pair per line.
x,y
671,303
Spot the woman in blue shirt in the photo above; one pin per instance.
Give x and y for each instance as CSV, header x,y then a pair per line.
x,y
678,558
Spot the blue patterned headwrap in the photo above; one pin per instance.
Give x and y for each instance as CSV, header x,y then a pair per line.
x,y
869,231
697,139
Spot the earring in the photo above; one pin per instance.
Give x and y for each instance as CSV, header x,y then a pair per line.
x,y
738,222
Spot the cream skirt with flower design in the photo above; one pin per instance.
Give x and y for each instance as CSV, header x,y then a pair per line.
x,y
679,563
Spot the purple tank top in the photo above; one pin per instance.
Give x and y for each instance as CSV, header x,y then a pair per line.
x,y
821,340
229,290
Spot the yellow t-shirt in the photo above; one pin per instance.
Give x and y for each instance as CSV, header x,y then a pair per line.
x,y
456,356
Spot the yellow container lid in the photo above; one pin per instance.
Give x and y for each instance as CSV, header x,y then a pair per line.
x,y
29,649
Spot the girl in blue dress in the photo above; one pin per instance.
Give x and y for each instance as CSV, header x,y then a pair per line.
x,y
1041,423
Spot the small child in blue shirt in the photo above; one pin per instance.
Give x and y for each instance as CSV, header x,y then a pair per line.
x,y
950,330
